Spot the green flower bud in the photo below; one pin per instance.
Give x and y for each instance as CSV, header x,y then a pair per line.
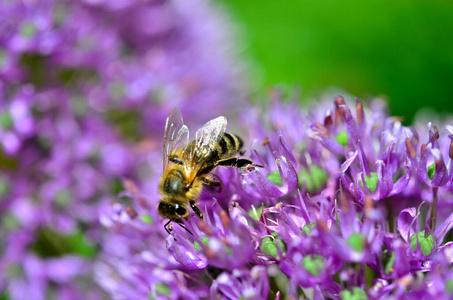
x,y
204,241
10,222
4,186
357,294
2,58
431,169
49,243
117,90
308,227
314,264
314,179
256,213
357,242
79,105
371,182
268,247
6,121
28,29
426,243
163,289
147,219
449,286
389,263
280,244
196,246
14,270
63,198
342,138
275,178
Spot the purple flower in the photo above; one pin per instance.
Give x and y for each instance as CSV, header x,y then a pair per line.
x,y
27,274
429,163
16,121
224,242
332,214
245,284
373,148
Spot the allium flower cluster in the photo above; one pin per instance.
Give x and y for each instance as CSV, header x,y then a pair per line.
x,y
84,86
350,204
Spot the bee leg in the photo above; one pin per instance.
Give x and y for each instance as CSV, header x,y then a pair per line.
x,y
196,210
168,230
237,162
166,227
212,183
182,225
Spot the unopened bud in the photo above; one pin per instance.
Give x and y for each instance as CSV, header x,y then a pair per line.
x,y
132,213
225,219
410,148
338,111
450,151
130,186
328,120
321,130
360,114
206,228
339,101
435,132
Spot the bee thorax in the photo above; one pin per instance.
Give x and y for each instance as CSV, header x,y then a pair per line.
x,y
173,185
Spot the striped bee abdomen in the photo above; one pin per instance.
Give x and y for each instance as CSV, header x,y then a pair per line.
x,y
229,145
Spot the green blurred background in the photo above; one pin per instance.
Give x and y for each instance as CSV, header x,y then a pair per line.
x,y
402,50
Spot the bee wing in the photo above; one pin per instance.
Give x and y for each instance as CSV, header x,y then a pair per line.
x,y
176,134
206,140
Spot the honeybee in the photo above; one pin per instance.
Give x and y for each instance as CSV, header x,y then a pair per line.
x,y
187,166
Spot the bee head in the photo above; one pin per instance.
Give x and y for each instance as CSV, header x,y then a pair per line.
x,y
172,211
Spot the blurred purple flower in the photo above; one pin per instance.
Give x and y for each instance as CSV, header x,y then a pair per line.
x,y
85,86
246,284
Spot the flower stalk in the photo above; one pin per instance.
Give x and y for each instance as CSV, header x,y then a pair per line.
x,y
433,216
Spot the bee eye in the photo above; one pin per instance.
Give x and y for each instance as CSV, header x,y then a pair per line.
x,y
180,210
